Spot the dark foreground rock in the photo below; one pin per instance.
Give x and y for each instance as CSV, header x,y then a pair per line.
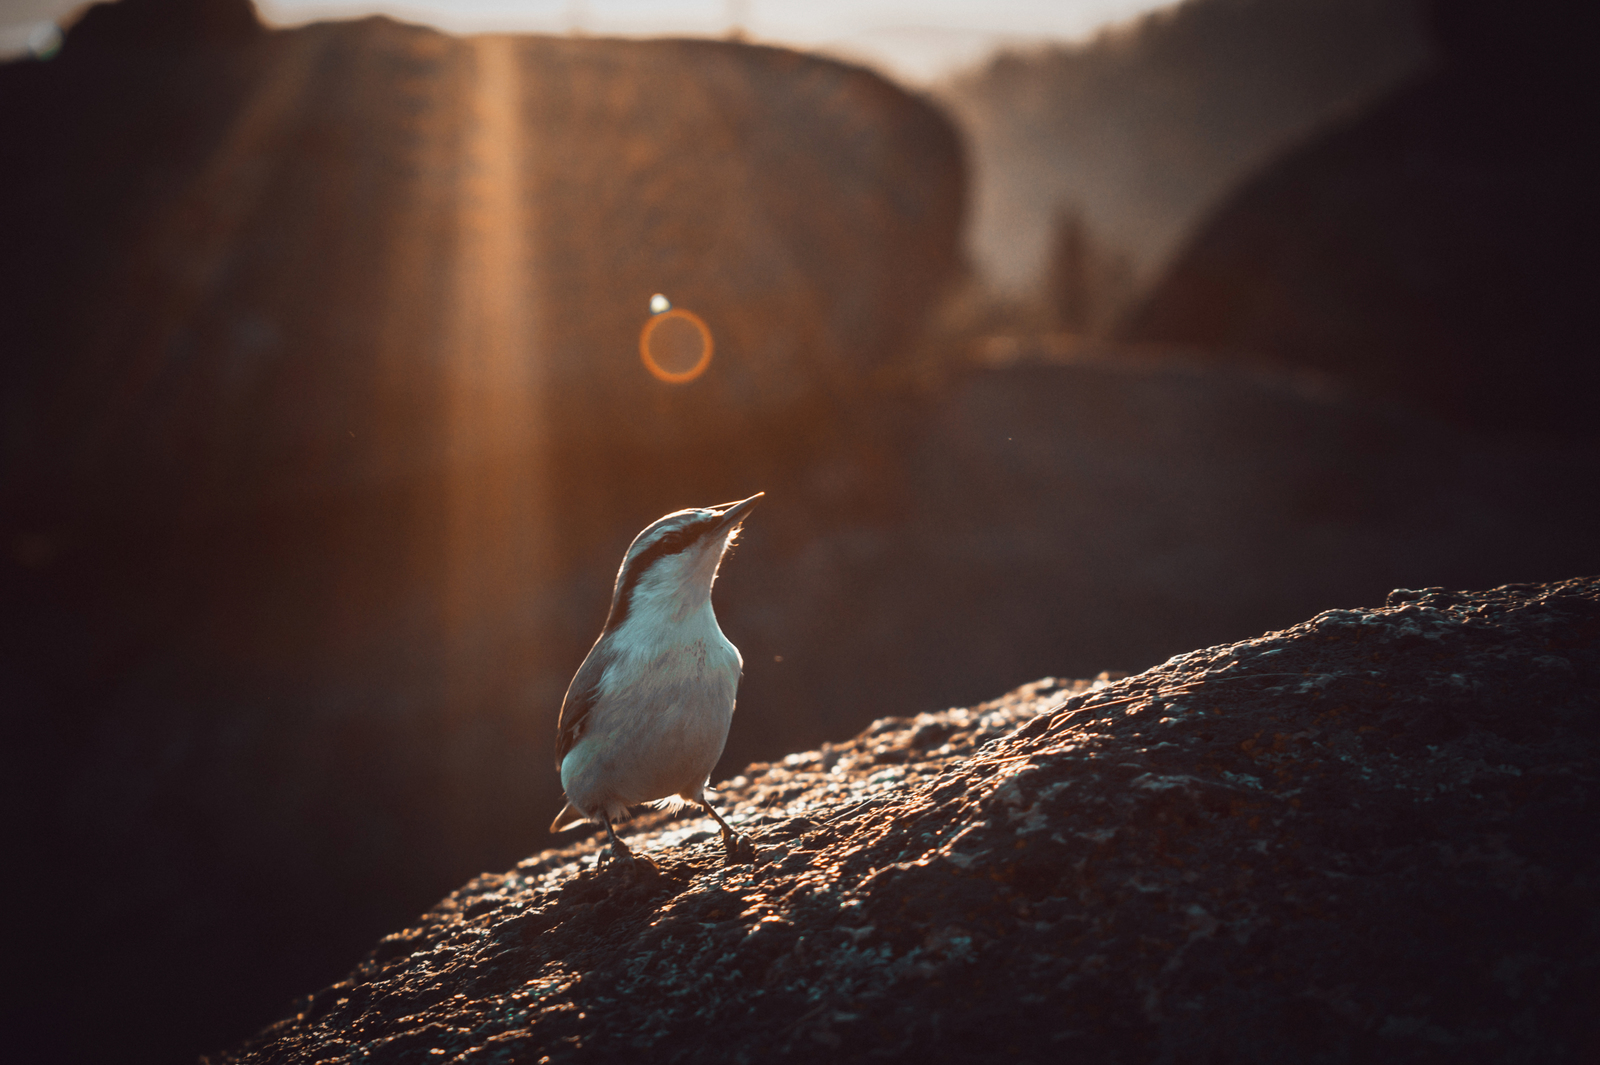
x,y
1367,837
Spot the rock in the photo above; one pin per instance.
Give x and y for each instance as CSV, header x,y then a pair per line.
x,y
367,258
1143,127
1062,517
323,422
1436,246
1366,837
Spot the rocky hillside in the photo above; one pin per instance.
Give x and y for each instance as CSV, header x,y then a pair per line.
x,y
1140,130
1436,247
1365,837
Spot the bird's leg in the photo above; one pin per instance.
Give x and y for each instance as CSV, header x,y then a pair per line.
x,y
619,849
620,852
739,848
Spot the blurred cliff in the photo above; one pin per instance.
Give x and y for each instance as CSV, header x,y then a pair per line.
x,y
1437,247
325,427
1131,137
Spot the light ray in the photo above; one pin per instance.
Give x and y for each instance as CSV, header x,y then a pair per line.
x,y
494,540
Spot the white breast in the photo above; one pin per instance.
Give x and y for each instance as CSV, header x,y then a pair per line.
x,y
663,709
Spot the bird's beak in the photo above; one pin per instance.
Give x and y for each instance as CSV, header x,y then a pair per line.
x,y
733,513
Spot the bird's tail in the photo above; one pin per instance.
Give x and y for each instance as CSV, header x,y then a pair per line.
x,y
569,816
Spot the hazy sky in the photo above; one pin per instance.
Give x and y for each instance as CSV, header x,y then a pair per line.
x,y
916,40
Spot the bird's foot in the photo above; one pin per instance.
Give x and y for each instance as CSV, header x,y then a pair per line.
x,y
740,850
641,868
631,864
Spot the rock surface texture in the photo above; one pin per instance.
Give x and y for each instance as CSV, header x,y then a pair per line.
x,y
1366,837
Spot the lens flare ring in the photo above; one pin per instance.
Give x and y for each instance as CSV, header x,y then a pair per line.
x,y
648,356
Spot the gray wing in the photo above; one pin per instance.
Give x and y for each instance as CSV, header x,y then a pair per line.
x,y
581,696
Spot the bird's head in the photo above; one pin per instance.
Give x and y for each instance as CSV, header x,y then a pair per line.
x,y
674,561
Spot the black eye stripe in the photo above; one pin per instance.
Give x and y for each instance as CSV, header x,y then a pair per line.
x,y
669,544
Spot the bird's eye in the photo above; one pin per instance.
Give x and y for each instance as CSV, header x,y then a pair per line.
x,y
675,540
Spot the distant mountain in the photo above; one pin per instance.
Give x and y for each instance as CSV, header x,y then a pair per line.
x,y
1436,248
1142,128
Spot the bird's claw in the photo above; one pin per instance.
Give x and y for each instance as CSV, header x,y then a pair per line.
x,y
741,851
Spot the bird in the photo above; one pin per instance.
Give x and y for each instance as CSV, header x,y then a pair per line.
x,y
647,714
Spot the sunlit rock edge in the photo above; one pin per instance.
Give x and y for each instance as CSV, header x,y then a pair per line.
x,y
1365,836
